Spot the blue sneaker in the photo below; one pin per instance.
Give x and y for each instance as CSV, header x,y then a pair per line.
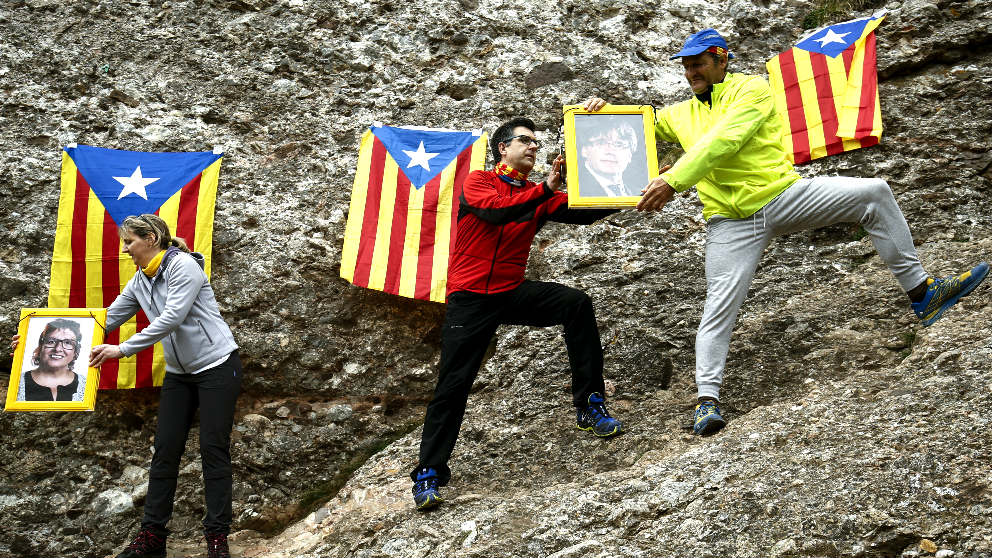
x,y
596,418
943,293
425,493
707,418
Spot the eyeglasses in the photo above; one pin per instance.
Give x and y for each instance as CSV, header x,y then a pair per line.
x,y
66,344
615,144
526,140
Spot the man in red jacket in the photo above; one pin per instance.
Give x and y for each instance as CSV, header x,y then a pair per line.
x,y
500,212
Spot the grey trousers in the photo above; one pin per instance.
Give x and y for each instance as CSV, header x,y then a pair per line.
x,y
734,246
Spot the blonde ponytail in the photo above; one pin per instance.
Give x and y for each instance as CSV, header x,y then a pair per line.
x,y
181,244
149,224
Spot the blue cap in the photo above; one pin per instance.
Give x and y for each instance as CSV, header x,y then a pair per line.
x,y
697,43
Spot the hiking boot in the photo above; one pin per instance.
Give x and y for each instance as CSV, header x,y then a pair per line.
x,y
425,493
707,418
146,545
217,545
596,418
943,293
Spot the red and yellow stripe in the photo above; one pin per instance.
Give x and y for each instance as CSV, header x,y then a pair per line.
x,y
398,237
828,105
89,270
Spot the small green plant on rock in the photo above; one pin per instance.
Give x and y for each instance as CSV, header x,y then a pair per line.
x,y
828,11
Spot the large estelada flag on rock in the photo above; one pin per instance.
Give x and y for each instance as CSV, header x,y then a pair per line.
x,y
100,188
826,89
404,208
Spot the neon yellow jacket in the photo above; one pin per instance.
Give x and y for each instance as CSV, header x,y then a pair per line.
x,y
733,152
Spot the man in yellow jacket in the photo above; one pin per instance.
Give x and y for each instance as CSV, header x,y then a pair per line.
x,y
732,137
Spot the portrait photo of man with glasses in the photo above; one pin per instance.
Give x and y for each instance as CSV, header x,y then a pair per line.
x,y
52,369
608,147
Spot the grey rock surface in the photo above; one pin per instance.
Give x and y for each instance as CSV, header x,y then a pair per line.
x,y
853,432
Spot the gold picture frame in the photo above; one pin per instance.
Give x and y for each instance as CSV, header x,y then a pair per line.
x,y
610,154
55,335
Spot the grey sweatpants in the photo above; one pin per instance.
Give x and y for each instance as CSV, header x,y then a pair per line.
x,y
734,246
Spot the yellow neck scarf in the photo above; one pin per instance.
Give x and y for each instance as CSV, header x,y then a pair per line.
x,y
152,268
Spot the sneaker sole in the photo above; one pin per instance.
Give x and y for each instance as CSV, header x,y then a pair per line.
x,y
710,427
431,502
607,435
954,300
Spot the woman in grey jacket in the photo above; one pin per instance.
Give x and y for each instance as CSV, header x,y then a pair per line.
x,y
202,371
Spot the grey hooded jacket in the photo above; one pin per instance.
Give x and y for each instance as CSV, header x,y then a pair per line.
x,y
182,312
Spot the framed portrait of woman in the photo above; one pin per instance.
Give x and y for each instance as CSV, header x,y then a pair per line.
x,y
51,371
610,154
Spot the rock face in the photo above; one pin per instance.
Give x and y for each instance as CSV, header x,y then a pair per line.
x,y
854,432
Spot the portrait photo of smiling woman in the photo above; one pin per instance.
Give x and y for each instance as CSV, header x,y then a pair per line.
x,y
52,370
50,359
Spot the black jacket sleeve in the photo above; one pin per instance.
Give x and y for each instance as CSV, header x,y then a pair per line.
x,y
481,198
579,216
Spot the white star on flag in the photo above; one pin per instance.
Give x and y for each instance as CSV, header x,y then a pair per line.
x,y
134,184
420,157
831,37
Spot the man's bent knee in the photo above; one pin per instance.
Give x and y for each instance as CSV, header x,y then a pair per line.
x,y
876,190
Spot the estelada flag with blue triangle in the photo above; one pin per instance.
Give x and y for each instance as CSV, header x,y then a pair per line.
x,y
826,90
100,188
404,208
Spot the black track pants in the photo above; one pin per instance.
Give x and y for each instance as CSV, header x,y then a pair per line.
x,y
470,321
214,393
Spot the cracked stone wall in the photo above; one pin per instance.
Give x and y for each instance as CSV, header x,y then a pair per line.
x,y
854,432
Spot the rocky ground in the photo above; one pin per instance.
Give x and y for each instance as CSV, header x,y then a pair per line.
x,y
865,439
854,432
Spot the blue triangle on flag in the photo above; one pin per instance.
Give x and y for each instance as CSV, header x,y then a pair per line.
x,y
835,39
136,182
423,154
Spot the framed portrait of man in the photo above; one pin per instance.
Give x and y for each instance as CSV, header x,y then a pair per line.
x,y
51,371
610,155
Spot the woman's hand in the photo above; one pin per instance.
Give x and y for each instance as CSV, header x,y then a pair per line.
x,y
593,104
103,353
13,343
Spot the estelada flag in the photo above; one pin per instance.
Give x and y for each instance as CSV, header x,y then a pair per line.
x,y
404,208
826,89
100,188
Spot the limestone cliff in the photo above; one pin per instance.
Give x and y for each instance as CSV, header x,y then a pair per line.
x,y
854,432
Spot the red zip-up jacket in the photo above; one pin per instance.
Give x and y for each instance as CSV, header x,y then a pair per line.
x,y
497,220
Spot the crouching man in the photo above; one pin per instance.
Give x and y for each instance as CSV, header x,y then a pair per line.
x,y
500,212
